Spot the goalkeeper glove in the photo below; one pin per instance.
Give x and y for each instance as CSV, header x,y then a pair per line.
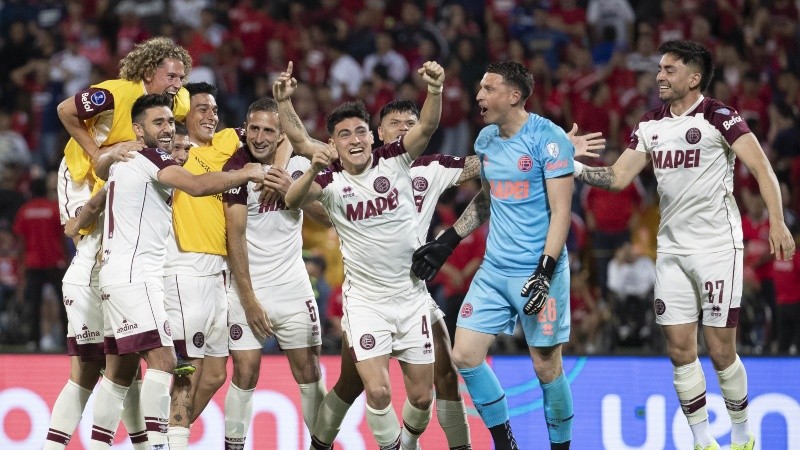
x,y
537,288
429,258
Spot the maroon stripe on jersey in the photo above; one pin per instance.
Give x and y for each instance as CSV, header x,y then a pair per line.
x,y
139,342
158,157
92,101
387,151
111,209
444,160
66,190
102,435
180,348
733,313
58,436
733,318
240,157
324,178
110,345
138,236
72,346
138,438
694,404
725,119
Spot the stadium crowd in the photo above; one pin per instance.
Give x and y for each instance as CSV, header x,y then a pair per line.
x,y
594,63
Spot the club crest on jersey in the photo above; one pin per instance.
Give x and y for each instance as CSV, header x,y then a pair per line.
x,y
236,332
660,306
381,185
167,329
199,339
420,184
367,342
466,310
552,149
98,98
693,135
525,162
297,174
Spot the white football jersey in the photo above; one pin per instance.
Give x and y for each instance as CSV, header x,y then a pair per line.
x,y
137,220
375,217
191,263
430,176
693,164
85,265
274,239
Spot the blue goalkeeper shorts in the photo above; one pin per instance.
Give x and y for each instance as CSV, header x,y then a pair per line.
x,y
493,304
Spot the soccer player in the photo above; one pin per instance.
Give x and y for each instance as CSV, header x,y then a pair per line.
x,y
136,225
431,176
693,142
370,200
270,293
181,144
99,116
194,276
526,161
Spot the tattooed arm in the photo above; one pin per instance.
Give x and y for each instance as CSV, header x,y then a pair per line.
x,y
472,169
476,213
282,90
618,176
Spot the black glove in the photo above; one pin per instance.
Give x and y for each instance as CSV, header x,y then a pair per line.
x,y
429,258
537,287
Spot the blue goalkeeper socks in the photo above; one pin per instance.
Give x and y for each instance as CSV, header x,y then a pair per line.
x,y
487,395
558,411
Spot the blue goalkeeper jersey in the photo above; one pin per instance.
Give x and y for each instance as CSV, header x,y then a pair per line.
x,y
516,170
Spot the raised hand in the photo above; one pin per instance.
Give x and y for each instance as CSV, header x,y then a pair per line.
x,y
587,144
284,86
323,157
432,74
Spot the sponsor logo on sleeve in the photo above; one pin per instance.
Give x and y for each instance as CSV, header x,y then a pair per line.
x,y
98,98
552,149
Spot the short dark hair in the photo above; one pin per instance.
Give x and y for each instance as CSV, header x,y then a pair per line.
x,y
399,106
692,54
146,102
180,128
201,88
266,104
346,111
514,74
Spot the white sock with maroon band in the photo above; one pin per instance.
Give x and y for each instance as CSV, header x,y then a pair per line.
x,y
107,413
155,406
238,413
178,438
690,384
415,421
733,383
66,415
133,418
453,419
311,395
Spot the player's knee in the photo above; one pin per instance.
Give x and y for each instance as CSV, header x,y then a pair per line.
x,y
722,357
348,390
463,360
420,398
378,396
245,376
213,380
681,356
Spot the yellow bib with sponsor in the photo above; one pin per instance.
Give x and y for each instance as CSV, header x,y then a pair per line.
x,y
200,221
120,129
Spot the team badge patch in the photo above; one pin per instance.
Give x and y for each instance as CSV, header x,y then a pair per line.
x,y
236,332
198,339
367,342
167,329
98,98
552,149
525,162
420,184
466,310
693,136
297,174
381,185
660,306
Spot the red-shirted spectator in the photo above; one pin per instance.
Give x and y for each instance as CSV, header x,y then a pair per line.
x,y
755,231
786,275
251,29
38,226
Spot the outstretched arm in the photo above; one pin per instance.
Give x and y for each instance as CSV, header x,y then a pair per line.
x,y
305,190
616,177
68,113
475,214
209,183
418,136
88,215
748,150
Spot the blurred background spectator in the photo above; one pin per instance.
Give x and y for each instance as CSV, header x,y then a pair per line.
x,y
594,63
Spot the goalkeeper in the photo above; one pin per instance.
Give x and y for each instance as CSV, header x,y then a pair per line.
x,y
526,173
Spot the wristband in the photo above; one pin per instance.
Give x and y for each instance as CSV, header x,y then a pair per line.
x,y
450,237
547,266
578,169
435,89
